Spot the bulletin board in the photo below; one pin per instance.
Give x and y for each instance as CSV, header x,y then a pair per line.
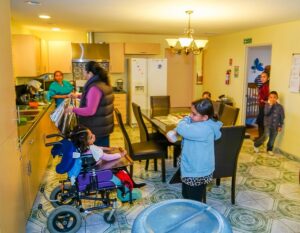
x,y
294,83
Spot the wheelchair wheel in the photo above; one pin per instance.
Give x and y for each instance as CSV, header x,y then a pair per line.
x,y
111,220
62,197
64,219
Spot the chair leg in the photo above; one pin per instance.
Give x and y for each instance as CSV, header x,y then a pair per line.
x,y
131,170
233,190
218,181
155,164
176,153
147,165
163,170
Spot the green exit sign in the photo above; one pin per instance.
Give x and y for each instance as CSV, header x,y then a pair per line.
x,y
247,40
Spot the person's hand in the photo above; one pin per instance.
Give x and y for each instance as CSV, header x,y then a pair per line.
x,y
72,95
279,129
69,109
123,152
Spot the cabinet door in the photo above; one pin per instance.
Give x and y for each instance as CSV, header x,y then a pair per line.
x,y
60,56
116,53
26,52
142,48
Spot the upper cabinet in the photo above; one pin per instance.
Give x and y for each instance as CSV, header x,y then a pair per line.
x,y
142,48
116,53
59,56
26,52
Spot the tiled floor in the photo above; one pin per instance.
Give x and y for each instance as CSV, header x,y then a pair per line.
x,y
267,200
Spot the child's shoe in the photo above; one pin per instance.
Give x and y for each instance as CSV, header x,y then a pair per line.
x,y
270,152
256,149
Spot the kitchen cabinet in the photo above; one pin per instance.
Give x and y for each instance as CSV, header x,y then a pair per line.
x,y
120,103
142,48
59,56
116,62
26,54
34,159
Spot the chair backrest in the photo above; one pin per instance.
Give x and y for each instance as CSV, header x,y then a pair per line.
x,y
227,150
144,135
218,107
127,141
229,115
160,105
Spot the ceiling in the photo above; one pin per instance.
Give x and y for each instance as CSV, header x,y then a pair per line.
x,y
210,17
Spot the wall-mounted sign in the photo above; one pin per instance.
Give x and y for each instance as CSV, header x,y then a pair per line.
x,y
247,40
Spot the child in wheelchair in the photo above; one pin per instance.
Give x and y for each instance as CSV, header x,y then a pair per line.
x,y
88,179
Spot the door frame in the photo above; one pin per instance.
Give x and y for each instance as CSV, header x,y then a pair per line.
x,y
247,62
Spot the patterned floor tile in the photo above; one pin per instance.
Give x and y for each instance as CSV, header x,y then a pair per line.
x,y
267,194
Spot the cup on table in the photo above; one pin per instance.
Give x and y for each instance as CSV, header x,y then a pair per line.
x,y
172,136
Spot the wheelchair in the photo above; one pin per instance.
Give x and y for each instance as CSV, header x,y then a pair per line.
x,y
92,184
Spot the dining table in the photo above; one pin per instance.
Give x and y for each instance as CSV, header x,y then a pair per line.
x,y
167,122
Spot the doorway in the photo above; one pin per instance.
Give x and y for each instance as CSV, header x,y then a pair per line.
x,y
258,59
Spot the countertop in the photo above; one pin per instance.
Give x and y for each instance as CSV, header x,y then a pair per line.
x,y
25,129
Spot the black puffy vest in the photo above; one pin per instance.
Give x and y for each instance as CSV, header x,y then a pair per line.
x,y
102,122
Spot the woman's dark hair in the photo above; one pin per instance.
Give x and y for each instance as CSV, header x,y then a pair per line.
x,y
79,137
98,71
204,107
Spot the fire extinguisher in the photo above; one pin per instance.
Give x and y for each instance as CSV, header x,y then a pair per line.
x,y
227,79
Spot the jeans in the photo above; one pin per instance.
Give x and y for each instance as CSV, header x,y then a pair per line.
x,y
268,133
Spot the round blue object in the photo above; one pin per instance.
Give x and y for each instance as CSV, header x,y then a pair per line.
x,y
180,216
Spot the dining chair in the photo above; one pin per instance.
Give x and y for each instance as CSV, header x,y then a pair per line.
x,y
160,105
143,150
227,150
229,115
218,108
145,135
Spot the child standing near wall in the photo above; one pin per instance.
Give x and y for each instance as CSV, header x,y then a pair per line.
x,y
273,122
199,131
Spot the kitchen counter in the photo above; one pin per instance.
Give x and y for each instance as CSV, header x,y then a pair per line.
x,y
33,116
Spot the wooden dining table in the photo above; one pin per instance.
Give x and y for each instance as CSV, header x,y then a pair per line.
x,y
168,122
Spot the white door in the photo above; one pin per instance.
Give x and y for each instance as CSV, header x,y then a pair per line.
x,y
157,78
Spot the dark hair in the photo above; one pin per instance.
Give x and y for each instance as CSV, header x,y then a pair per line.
x,y
273,93
79,137
206,93
98,71
204,107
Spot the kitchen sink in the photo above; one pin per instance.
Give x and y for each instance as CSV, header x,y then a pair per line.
x,y
29,112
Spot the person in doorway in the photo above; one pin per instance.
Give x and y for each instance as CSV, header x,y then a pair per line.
x,y
59,89
273,122
199,130
206,95
257,80
263,94
96,103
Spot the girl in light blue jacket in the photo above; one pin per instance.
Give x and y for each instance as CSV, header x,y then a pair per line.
x,y
199,130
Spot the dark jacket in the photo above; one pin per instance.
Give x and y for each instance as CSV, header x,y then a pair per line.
x,y
274,116
102,122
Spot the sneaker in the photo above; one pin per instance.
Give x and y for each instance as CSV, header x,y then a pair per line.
x,y
270,152
256,149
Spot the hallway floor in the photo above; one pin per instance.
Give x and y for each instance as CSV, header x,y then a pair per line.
x,y
267,194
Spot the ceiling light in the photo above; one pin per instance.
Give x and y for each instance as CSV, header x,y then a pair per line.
x,y
187,44
55,29
33,3
44,17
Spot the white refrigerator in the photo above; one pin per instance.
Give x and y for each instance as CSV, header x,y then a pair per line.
x,y
146,77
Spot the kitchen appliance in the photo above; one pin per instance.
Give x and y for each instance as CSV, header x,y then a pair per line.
x,y
85,52
146,77
119,85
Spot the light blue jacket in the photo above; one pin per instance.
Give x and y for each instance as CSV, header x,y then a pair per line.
x,y
198,154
